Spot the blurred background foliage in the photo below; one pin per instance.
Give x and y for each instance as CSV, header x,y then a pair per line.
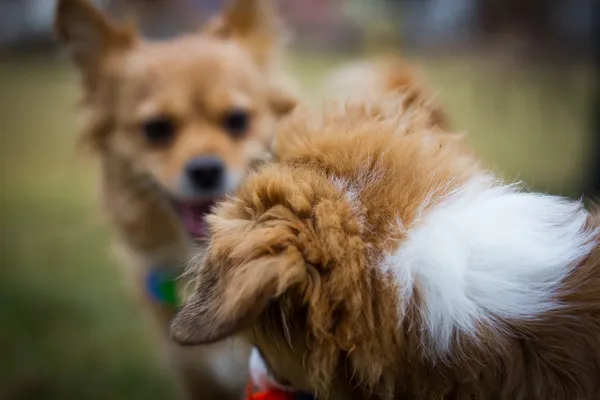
x,y
520,77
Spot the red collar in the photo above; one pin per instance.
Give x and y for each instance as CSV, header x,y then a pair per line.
x,y
272,394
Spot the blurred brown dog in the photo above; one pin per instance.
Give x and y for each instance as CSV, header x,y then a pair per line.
x,y
375,258
176,125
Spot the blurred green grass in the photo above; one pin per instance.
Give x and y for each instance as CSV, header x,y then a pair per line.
x,y
69,329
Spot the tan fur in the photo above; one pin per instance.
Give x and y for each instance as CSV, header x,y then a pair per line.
x,y
293,265
372,78
193,80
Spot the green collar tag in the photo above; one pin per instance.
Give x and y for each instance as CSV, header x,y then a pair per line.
x,y
161,286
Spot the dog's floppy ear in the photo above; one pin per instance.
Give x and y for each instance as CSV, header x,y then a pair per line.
x,y
89,35
233,290
254,23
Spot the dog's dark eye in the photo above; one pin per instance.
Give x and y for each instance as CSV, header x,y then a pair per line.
x,y
159,130
236,122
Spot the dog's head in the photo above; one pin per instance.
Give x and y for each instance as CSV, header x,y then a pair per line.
x,y
193,113
273,266
292,258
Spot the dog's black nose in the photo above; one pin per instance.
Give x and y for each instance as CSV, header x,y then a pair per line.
x,y
206,172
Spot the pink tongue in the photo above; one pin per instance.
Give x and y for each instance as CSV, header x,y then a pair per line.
x,y
193,218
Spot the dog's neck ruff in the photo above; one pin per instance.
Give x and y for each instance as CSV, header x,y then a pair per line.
x,y
487,253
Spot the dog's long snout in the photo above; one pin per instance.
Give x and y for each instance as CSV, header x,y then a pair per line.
x,y
206,173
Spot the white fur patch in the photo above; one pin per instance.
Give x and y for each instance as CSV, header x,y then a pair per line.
x,y
486,253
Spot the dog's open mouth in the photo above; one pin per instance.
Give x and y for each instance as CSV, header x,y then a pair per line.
x,y
193,215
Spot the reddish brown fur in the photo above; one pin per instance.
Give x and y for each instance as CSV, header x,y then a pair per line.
x,y
293,264
193,79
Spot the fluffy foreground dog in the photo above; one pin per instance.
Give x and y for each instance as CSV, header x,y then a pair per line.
x,y
374,258
176,125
